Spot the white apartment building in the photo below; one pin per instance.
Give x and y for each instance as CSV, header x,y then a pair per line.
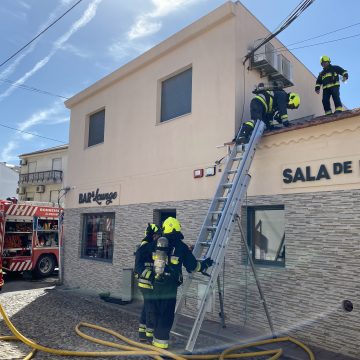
x,y
41,174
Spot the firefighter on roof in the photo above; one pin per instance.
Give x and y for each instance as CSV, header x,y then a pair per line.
x,y
329,79
268,106
169,254
145,277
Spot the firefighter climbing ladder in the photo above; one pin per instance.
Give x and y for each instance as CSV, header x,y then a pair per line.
x,y
218,227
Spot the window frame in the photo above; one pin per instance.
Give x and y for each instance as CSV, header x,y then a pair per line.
x,y
28,197
250,211
54,160
83,245
160,94
32,170
87,128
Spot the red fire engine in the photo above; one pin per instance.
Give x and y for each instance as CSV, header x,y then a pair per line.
x,y
29,237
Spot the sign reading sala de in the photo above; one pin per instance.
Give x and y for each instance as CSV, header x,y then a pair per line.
x,y
97,197
314,174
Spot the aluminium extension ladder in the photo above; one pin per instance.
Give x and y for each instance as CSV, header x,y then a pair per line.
x,y
216,232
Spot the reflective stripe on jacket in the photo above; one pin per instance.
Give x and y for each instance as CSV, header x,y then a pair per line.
x,y
329,77
273,101
267,99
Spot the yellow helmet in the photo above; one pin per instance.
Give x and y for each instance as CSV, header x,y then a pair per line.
x,y
294,101
324,58
151,229
170,225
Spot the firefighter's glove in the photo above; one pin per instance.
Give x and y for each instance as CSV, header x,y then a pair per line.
x,y
149,231
205,264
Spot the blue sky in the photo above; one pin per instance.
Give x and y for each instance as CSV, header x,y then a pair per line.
x,y
99,36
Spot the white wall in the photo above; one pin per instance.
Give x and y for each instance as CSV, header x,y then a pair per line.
x,y
8,181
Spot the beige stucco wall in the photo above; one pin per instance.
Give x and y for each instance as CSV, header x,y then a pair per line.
x,y
329,143
145,161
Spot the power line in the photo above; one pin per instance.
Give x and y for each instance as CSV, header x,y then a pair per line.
x,y
27,132
30,88
315,37
294,15
324,42
284,48
40,33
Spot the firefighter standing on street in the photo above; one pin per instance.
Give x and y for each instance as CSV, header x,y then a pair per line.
x,y
169,254
144,262
329,79
1,276
266,106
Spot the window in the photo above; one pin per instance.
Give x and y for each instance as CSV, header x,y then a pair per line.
x,y
98,236
56,164
266,234
32,167
96,128
30,196
161,215
176,95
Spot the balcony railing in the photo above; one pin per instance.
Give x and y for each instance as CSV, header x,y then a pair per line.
x,y
41,177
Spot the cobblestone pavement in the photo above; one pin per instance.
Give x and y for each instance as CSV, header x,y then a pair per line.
x,y
49,315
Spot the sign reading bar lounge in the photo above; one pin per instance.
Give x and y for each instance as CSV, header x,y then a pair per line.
x,y
316,173
96,196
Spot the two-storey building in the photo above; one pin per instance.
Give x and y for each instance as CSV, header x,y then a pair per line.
x,y
144,144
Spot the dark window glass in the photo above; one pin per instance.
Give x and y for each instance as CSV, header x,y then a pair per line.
x,y
266,229
96,128
162,214
176,95
98,236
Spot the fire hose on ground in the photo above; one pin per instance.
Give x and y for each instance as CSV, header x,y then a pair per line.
x,y
135,348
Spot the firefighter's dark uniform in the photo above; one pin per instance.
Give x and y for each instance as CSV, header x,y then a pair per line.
x,y
144,272
165,288
1,276
263,107
329,79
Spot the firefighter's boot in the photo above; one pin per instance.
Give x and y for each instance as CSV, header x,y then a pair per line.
x,y
142,333
339,110
149,335
245,133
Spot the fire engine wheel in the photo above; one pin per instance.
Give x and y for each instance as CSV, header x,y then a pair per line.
x,y
45,266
